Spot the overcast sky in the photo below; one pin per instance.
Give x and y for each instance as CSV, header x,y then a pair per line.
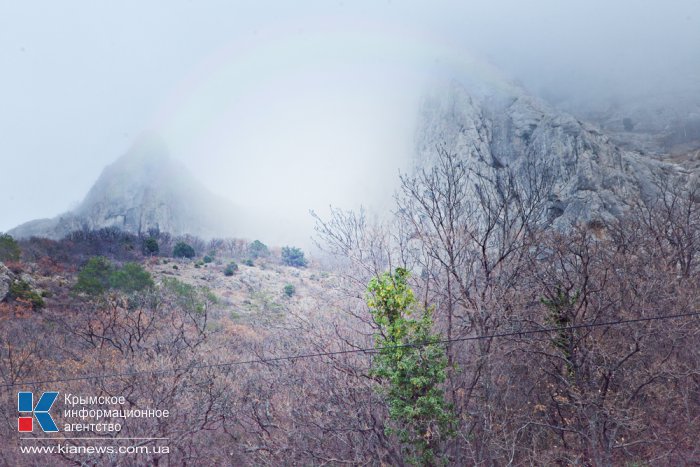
x,y
291,105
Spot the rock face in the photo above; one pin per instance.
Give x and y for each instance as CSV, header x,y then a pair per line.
x,y
591,177
144,189
6,278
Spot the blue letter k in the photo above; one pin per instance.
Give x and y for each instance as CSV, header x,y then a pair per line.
x,y
41,411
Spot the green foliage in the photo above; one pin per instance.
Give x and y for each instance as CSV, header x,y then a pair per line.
x,y
188,297
9,249
151,247
293,256
94,277
183,250
249,262
178,288
258,249
412,364
131,278
21,291
231,269
289,290
208,259
99,275
264,302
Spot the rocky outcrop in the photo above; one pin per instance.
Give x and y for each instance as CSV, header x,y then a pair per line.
x,y
6,279
144,189
20,288
591,177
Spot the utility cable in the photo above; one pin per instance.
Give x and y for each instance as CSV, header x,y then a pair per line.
x,y
350,351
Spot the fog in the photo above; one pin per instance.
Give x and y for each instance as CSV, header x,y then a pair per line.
x,y
284,107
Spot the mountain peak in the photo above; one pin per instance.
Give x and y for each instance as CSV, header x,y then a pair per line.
x,y
144,189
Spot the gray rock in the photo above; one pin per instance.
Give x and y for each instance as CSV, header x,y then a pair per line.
x,y
28,279
6,278
592,178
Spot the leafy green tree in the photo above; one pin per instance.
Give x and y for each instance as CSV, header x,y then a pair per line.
x,y
183,250
151,247
231,269
132,277
412,364
9,249
99,275
289,290
258,249
94,277
293,256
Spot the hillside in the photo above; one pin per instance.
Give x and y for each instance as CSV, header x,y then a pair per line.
x,y
253,293
530,298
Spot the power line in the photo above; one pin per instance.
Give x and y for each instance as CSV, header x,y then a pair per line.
x,y
351,351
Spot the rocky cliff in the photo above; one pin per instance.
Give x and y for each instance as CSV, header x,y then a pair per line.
x,y
592,178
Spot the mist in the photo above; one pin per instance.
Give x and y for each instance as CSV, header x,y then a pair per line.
x,y
283,107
